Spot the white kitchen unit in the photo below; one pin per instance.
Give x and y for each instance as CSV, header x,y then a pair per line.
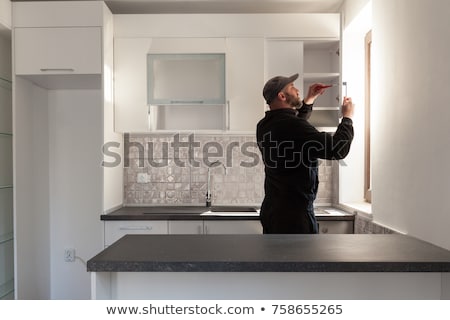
x,y
316,61
58,51
284,57
246,43
62,118
232,227
186,91
114,230
55,40
322,64
215,227
186,227
245,74
132,110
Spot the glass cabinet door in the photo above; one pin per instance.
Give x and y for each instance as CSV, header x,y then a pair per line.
x,y
186,79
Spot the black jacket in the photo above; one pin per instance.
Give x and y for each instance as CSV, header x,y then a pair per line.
x,y
290,148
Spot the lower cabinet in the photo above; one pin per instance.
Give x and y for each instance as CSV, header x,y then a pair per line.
x,y
232,227
215,227
336,226
114,230
186,227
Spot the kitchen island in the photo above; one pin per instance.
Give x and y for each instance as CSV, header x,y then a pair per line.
x,y
270,267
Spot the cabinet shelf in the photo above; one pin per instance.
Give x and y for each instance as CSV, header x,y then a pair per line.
x,y
325,108
321,77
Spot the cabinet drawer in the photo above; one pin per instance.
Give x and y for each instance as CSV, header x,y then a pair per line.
x,y
41,51
114,230
335,226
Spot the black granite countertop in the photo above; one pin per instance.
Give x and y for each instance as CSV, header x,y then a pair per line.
x,y
271,253
197,213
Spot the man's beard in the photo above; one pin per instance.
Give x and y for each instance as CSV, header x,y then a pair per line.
x,y
293,101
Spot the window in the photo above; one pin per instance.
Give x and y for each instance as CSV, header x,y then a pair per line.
x,y
367,162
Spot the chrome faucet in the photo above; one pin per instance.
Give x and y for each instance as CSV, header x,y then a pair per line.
x,y
208,182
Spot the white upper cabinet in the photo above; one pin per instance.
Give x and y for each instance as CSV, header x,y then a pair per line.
x,y
37,14
58,44
168,112
316,61
322,64
58,51
284,58
255,47
245,80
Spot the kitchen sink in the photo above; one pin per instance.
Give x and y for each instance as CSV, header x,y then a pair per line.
x,y
232,209
227,211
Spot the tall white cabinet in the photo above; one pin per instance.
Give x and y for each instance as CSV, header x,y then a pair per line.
x,y
63,102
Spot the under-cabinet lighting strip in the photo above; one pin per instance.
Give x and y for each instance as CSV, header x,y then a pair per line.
x,y
5,134
6,187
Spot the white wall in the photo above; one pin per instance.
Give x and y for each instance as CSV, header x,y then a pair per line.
x,y
31,191
411,175
75,140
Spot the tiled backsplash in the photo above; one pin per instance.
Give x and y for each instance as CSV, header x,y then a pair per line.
x,y
172,169
367,226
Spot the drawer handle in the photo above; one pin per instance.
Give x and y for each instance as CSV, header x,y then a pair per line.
x,y
136,228
57,69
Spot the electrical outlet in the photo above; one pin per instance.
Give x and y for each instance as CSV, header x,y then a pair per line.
x,y
69,255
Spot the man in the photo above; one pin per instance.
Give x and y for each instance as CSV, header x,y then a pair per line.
x,y
290,149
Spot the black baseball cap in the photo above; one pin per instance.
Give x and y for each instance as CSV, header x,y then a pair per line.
x,y
275,85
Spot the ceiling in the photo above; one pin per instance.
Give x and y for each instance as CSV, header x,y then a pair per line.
x,y
223,6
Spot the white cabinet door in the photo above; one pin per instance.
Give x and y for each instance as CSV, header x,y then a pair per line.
x,y
57,13
284,58
245,81
233,227
186,227
114,230
42,51
130,84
